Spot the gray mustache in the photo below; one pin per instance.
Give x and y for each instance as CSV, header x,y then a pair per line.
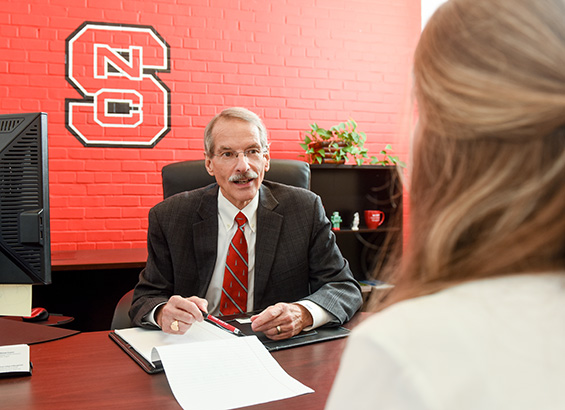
x,y
246,175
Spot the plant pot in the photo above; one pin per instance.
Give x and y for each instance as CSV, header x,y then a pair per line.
x,y
329,152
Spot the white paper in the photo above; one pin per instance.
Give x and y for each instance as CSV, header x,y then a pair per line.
x,y
226,374
144,340
14,359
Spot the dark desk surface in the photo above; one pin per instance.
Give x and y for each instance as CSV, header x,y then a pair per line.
x,y
89,371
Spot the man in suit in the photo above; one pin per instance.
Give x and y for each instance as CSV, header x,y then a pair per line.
x,y
292,268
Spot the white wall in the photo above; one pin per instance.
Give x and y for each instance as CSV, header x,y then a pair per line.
x,y
428,8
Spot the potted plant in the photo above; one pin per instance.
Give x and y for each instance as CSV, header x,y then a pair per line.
x,y
336,144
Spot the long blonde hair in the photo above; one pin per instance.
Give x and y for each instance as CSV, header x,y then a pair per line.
x,y
488,180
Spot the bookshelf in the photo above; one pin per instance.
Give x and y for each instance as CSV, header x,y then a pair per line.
x,y
348,189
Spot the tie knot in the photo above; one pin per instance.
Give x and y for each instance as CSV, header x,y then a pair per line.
x,y
240,219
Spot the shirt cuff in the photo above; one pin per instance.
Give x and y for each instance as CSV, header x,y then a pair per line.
x,y
150,317
320,316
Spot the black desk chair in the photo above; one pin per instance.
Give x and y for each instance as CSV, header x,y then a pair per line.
x,y
189,175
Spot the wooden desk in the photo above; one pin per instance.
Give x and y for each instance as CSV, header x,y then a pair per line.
x,y
89,371
96,259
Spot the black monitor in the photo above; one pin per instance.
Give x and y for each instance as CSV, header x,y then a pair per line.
x,y
25,254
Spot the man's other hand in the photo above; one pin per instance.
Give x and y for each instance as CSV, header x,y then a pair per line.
x,y
282,320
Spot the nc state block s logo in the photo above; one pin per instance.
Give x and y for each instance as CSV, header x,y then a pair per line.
x,y
114,67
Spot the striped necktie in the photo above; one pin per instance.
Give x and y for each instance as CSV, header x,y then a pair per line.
x,y
234,289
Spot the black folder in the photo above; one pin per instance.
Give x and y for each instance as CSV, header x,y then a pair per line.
x,y
321,334
150,368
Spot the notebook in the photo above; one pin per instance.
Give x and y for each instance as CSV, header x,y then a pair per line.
x,y
138,342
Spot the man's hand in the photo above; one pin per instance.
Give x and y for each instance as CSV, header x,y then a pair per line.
x,y
282,320
178,314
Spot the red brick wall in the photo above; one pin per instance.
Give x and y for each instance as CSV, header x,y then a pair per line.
x,y
292,61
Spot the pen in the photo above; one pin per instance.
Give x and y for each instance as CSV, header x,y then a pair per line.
x,y
222,324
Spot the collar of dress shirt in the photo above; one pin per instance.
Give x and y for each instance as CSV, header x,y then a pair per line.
x,y
228,211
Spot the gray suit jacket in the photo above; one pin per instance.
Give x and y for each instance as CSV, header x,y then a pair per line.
x,y
296,253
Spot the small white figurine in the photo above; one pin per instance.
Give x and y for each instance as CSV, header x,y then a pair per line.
x,y
355,226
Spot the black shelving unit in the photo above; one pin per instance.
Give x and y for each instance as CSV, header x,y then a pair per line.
x,y
348,189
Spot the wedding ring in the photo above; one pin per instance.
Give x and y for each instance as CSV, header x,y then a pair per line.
x,y
175,326
279,330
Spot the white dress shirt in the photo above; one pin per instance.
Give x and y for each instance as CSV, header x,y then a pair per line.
x,y
495,344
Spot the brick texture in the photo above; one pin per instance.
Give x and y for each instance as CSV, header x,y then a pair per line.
x,y
292,62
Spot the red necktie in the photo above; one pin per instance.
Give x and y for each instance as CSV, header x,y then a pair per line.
x,y
234,290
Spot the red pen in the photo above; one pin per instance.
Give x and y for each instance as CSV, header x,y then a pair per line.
x,y
222,324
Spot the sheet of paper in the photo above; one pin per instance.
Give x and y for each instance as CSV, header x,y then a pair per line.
x,y
226,374
14,359
143,340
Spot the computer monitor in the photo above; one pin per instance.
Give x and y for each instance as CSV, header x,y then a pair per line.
x,y
25,254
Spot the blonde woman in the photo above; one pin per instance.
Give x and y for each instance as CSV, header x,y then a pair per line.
x,y
477,316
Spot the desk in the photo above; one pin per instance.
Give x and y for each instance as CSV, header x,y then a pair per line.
x,y
98,259
89,371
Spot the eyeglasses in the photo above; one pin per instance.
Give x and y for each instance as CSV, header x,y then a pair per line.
x,y
252,155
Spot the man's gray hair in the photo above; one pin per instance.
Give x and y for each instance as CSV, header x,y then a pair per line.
x,y
237,113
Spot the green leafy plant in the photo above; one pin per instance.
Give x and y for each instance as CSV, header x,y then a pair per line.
x,y
338,143
387,158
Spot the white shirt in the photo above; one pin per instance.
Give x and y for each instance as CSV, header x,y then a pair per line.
x,y
488,344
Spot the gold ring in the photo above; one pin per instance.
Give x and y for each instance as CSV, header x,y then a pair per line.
x,y
279,330
175,325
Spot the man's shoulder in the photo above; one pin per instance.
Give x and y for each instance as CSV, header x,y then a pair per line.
x,y
286,198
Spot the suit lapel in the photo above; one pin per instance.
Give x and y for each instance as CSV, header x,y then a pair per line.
x,y
269,225
205,237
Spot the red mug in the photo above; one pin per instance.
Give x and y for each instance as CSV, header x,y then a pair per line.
x,y
374,218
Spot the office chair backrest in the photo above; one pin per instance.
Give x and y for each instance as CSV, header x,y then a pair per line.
x,y
121,319
189,175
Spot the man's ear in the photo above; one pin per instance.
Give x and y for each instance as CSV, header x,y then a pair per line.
x,y
208,164
267,162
